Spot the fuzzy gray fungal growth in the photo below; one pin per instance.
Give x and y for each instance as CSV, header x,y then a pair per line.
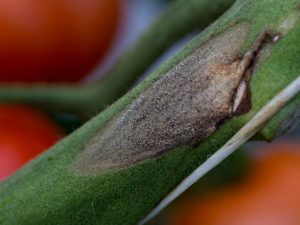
x,y
184,107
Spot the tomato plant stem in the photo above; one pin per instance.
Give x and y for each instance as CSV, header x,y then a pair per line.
x,y
118,166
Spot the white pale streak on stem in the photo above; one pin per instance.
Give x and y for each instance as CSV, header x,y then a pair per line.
x,y
242,136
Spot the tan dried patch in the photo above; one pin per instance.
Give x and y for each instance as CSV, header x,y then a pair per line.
x,y
184,107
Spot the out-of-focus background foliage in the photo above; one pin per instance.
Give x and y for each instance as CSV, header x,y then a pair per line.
x,y
258,185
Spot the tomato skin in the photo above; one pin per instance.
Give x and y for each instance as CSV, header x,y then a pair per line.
x,y
270,195
57,40
24,133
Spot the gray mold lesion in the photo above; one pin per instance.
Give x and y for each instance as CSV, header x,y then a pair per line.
x,y
184,107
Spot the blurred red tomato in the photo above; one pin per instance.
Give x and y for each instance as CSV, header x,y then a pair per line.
x,y
269,196
24,133
54,40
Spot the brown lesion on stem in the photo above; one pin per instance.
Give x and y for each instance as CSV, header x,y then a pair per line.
x,y
184,107
242,98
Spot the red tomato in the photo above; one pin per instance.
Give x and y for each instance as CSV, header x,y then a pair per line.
x,y
269,196
54,40
24,133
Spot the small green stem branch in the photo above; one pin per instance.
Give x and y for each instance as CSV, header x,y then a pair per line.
x,y
118,167
181,18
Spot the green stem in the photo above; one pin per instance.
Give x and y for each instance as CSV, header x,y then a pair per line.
x,y
70,185
182,17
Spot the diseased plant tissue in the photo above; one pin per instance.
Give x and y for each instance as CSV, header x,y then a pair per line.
x,y
184,107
